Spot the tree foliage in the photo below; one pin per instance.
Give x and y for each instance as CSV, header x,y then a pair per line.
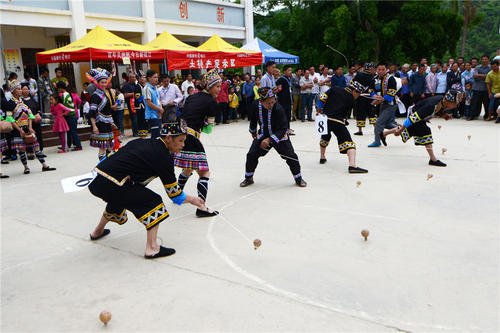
x,y
362,30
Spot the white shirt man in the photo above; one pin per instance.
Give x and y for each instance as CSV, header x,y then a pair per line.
x,y
169,95
324,82
315,78
186,84
306,84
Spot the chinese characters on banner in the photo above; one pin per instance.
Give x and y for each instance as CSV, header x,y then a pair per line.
x,y
220,14
12,60
225,63
183,9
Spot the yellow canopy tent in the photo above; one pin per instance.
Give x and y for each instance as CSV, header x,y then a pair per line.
x,y
227,55
98,44
178,54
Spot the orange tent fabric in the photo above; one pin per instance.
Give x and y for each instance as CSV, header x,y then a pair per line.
x,y
98,44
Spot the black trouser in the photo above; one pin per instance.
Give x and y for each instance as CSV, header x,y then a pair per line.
x,y
478,98
38,131
222,114
10,152
284,148
405,98
169,114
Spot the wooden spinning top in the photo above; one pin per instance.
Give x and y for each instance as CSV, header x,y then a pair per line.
x,y
439,127
105,316
365,233
429,176
257,243
444,150
358,183
468,137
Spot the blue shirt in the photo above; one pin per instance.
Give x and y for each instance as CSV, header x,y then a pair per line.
x,y
441,86
338,81
405,88
152,94
417,84
247,90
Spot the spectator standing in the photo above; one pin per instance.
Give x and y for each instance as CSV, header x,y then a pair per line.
x,y
324,81
256,88
233,105
222,100
170,98
493,85
248,96
60,127
120,110
306,96
453,78
258,73
32,104
468,98
285,95
46,90
268,80
71,118
441,80
405,89
431,82
154,110
315,89
466,75
497,57
296,94
479,90
188,83
337,79
414,69
417,85
32,85
59,78
350,74
128,93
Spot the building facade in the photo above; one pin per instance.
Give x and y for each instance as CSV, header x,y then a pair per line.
x,y
30,26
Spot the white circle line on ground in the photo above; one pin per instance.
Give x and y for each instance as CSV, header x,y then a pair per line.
x,y
361,315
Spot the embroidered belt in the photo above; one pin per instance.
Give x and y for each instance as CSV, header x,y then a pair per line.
x,y
336,120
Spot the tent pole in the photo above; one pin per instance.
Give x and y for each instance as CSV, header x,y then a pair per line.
x,y
165,64
38,92
90,63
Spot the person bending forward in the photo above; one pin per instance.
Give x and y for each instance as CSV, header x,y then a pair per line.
x,y
122,179
273,124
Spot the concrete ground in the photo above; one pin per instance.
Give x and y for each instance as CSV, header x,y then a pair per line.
x,y
431,262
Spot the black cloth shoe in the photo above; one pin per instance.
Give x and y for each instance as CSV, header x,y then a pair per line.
x,y
27,171
382,138
300,182
104,233
164,252
358,133
246,182
497,121
4,176
357,170
206,213
346,122
437,163
5,162
48,169
322,160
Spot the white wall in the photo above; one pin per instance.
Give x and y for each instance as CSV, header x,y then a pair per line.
x,y
16,37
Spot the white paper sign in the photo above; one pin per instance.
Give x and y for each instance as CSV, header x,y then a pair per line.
x,y
77,183
401,107
126,60
321,124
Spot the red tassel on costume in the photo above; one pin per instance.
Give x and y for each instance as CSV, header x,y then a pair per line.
x,y
132,101
116,135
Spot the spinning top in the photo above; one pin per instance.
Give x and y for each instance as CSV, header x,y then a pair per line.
x,y
444,150
439,127
429,176
468,137
358,183
105,316
365,233
257,243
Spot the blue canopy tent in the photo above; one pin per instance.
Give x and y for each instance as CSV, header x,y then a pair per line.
x,y
270,53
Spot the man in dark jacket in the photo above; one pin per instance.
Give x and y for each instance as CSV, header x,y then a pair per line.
x,y
285,94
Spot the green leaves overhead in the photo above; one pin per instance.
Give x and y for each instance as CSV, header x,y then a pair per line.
x,y
399,31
